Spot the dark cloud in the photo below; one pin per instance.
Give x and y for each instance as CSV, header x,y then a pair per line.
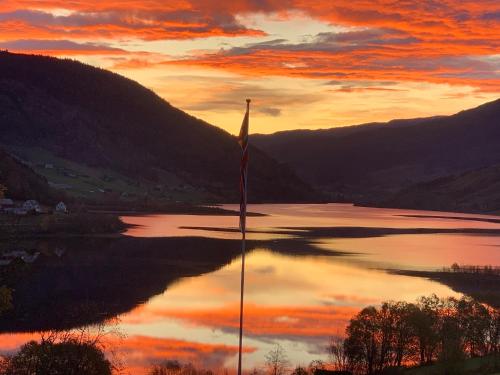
x,y
361,83
491,16
265,270
228,97
331,42
142,24
274,112
54,45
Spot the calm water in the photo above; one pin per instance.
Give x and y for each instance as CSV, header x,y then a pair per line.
x,y
295,297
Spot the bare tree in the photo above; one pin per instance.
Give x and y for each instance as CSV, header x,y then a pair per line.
x,y
337,354
299,370
316,364
277,362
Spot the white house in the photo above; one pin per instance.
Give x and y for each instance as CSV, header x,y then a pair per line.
x,y
32,206
30,258
61,208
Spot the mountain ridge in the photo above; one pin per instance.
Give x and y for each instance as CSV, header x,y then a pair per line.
x,y
99,119
367,164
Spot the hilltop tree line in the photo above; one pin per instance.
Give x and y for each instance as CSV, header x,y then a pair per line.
x,y
404,334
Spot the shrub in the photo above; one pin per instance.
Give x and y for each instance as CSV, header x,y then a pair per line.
x,y
67,357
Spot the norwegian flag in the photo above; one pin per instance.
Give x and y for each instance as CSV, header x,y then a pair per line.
x,y
243,141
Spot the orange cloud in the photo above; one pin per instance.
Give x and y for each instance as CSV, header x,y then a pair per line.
x,y
138,353
447,42
141,352
268,321
390,62
10,343
132,21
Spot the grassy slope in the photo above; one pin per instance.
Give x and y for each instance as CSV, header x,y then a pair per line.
x,y
83,181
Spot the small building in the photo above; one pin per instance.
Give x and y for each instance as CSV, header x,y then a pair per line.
x,y
30,258
32,206
61,208
59,251
6,203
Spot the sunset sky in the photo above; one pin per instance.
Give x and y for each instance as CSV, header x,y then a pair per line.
x,y
305,64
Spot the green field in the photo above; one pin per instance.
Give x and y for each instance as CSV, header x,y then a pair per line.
x,y
79,180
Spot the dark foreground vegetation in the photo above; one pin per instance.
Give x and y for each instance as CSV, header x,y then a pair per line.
x,y
388,339
77,352
67,357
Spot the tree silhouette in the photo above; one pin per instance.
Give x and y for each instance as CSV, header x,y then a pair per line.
x,y
431,330
277,362
3,189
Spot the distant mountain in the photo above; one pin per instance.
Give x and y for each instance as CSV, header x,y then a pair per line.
x,y
369,163
91,132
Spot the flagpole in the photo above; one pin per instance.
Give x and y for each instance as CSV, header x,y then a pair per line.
x,y
241,298
243,250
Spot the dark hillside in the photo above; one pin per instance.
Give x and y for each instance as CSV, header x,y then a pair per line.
x,y
23,183
99,119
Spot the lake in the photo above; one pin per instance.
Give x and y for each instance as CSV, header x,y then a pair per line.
x,y
310,268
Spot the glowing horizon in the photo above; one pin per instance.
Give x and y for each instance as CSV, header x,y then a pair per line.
x,y
305,65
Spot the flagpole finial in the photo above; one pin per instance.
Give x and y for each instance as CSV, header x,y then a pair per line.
x,y
249,100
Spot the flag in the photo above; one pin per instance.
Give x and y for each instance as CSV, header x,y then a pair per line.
x,y
243,141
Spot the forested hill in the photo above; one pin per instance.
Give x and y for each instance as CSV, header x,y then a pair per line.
x,y
97,126
371,162
23,183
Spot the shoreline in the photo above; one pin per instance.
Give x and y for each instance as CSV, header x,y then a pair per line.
x,y
13,227
483,287
91,223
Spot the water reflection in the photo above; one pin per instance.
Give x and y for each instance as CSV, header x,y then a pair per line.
x,y
372,237
295,301
303,215
310,268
